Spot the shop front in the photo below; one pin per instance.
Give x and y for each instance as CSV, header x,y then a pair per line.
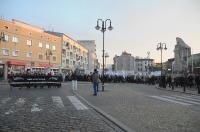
x,y
15,67
45,67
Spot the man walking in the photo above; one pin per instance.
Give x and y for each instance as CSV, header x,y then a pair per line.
x,y
95,79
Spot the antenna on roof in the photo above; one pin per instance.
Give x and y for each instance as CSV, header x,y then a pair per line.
x,y
148,55
49,27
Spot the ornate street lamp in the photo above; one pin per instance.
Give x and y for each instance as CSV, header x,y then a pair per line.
x,y
103,29
160,47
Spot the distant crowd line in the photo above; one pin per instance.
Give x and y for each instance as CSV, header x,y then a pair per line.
x,y
163,81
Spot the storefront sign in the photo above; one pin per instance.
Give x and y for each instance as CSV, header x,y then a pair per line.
x,y
44,65
17,63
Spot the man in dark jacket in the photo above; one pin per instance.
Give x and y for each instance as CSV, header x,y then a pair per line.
x,y
95,79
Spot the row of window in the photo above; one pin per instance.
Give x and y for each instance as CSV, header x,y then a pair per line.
x,y
15,29
75,50
73,63
15,53
29,42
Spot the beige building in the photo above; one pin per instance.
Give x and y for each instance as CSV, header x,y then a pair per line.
x,y
27,47
74,55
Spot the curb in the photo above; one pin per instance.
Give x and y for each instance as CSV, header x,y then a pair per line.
x,y
106,115
176,91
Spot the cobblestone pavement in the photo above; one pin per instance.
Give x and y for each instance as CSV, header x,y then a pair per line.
x,y
48,109
145,108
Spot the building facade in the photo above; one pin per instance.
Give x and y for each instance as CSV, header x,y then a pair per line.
x,y
74,55
92,57
143,65
27,47
128,64
124,62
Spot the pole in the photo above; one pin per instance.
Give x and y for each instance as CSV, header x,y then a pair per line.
x,y
49,60
161,58
103,60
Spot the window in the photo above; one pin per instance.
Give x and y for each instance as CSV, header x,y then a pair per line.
x,y
29,42
54,58
6,37
67,61
5,51
15,39
63,61
40,45
54,47
40,56
47,46
15,53
29,55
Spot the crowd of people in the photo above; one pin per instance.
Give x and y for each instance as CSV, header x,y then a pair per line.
x,y
163,81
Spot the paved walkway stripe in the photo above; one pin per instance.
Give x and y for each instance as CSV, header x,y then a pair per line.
x,y
35,107
77,103
20,102
57,101
170,100
4,101
186,97
184,100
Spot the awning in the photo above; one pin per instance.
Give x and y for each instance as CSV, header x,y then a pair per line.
x,y
17,63
45,65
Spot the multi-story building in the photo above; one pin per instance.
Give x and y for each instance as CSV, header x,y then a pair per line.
x,y
143,65
124,62
74,55
27,47
92,57
130,65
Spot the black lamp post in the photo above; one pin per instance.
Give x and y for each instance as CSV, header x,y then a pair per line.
x,y
103,29
160,47
106,56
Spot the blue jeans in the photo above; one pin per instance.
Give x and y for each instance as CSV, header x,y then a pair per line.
x,y
95,88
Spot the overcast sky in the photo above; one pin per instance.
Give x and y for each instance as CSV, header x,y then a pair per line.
x,y
139,25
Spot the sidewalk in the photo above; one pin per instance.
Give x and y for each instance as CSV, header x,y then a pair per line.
x,y
188,90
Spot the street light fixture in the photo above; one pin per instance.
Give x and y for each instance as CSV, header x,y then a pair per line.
x,y
103,29
160,47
